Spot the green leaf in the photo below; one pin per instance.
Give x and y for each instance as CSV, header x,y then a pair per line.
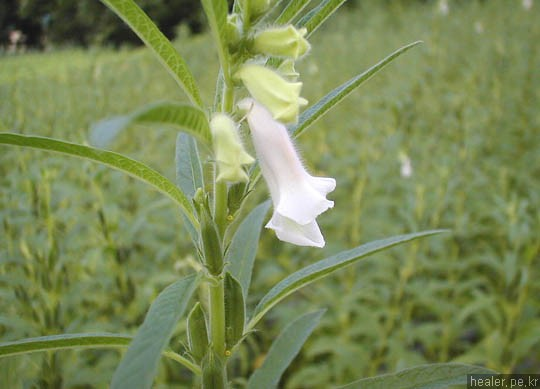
x,y
292,9
216,13
316,111
434,376
322,268
71,341
174,115
154,39
243,248
117,161
139,365
283,351
104,132
318,15
189,174
64,341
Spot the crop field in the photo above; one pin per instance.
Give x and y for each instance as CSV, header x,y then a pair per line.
x,y
447,136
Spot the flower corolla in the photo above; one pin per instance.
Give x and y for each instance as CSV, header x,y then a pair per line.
x,y
297,196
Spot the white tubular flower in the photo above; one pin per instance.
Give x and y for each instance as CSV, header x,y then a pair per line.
x,y
298,197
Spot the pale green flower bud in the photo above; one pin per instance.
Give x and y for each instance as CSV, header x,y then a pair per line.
x,y
258,7
233,29
228,149
282,42
280,97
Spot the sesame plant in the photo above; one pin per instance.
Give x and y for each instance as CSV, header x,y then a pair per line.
x,y
223,149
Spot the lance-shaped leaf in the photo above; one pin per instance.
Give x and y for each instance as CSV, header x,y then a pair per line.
x,y
117,161
433,376
243,248
154,39
177,116
189,174
216,13
139,365
318,15
317,110
64,341
322,268
292,9
283,351
80,341
235,311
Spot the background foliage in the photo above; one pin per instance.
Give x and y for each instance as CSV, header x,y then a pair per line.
x,y
89,22
86,249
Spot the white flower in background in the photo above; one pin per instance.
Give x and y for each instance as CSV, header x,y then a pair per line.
x,y
479,27
444,8
406,169
297,196
527,4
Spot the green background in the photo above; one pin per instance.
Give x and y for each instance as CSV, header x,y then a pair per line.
x,y
86,249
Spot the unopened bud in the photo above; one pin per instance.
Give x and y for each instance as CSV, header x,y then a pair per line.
x,y
280,97
258,7
233,29
282,42
228,149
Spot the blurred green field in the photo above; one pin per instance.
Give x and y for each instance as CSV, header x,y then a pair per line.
x,y
86,249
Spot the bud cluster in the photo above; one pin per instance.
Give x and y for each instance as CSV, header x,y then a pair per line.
x,y
262,61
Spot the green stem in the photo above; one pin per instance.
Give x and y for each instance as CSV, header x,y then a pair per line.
x,y
214,375
217,316
220,206
228,96
246,16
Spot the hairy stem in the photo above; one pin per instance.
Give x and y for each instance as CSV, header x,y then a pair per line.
x,y
214,371
220,206
217,316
